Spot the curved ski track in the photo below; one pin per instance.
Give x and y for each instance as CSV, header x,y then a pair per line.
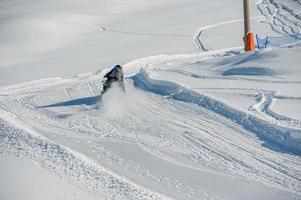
x,y
280,16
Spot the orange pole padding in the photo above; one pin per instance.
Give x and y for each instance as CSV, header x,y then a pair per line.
x,y
249,42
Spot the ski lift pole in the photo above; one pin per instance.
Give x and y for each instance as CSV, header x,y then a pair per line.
x,y
248,35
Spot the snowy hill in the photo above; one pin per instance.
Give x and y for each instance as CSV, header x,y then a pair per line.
x,y
221,124
44,39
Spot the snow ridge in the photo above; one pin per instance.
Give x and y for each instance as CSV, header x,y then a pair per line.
x,y
275,136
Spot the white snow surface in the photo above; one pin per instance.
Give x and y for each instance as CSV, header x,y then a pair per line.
x,y
39,179
215,124
43,39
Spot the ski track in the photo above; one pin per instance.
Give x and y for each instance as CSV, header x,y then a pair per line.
x,y
281,16
199,38
170,128
90,27
265,100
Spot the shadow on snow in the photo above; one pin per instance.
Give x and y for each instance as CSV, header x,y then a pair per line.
x,y
88,101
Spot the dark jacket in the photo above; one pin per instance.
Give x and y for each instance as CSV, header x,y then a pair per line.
x,y
115,75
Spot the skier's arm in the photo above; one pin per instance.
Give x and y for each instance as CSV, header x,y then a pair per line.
x,y
109,74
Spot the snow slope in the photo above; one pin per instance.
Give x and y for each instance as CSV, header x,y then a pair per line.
x,y
216,125
15,170
212,147
41,39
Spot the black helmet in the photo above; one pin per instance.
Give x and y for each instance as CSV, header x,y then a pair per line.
x,y
118,66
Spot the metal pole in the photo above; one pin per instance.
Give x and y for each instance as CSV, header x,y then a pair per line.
x,y
249,35
247,16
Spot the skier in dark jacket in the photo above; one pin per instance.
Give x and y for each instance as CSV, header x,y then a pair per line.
x,y
113,76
